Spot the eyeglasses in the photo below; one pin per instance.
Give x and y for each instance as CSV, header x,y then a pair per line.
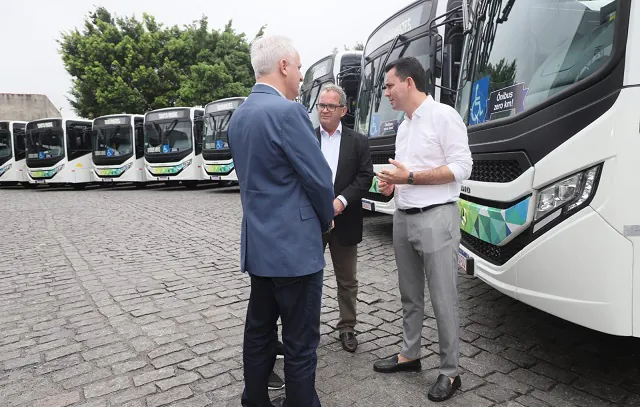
x,y
331,108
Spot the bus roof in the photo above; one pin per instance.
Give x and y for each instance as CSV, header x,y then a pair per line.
x,y
119,115
398,29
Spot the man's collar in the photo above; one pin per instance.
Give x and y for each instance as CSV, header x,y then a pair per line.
x,y
338,130
422,108
259,84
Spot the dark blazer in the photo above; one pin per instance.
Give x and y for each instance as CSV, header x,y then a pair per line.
x,y
353,180
285,186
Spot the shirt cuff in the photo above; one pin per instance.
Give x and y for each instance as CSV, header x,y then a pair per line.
x,y
343,200
459,173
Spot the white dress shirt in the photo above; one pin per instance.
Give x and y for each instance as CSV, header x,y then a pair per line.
x,y
433,137
330,146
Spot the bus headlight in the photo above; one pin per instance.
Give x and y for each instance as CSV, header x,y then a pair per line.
x,y
5,169
568,194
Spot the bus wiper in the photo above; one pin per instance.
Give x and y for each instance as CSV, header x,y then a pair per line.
x,y
313,84
227,116
380,77
506,12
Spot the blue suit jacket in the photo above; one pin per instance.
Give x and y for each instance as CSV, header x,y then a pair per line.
x,y
285,186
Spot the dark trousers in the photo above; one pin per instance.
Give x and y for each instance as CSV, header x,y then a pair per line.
x,y
296,300
345,263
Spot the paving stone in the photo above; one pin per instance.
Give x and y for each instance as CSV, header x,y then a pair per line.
x,y
84,312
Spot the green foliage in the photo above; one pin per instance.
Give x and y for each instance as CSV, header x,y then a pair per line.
x,y
125,65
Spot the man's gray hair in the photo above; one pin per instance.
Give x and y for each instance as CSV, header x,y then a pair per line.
x,y
338,89
266,52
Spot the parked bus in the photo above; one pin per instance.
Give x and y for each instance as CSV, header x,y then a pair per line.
x,y
118,149
549,91
59,152
173,145
216,155
12,153
341,69
430,31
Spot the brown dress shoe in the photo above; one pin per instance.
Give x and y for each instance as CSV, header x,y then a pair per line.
x,y
349,341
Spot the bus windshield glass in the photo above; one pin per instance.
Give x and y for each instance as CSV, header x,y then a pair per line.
x,y
384,121
5,143
215,130
522,52
45,143
168,136
112,141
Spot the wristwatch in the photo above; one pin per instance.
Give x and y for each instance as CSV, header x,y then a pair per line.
x,y
410,181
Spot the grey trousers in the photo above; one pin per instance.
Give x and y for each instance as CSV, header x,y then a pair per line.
x,y
425,244
345,262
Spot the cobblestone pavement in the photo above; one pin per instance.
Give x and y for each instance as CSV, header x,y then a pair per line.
x,y
125,297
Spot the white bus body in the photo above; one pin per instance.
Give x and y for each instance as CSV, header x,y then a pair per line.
x,y
173,145
12,153
216,155
118,149
549,215
59,152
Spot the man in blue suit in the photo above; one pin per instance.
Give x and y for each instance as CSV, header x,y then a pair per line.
x,y
287,197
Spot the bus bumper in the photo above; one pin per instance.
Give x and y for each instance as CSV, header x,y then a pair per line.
x,y
580,271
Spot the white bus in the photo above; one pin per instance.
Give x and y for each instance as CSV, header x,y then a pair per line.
x,y
216,155
173,145
341,69
59,152
549,92
12,153
430,31
118,149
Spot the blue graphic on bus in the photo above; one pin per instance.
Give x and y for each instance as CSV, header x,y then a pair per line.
x,y
166,148
374,129
219,144
479,97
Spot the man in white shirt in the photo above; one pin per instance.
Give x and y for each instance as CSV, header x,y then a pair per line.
x,y
432,159
347,153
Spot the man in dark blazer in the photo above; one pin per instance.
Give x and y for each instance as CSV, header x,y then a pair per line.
x,y
347,153
287,203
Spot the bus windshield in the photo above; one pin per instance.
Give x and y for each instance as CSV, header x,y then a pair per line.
x,y
42,144
522,52
112,141
384,121
5,143
215,131
168,136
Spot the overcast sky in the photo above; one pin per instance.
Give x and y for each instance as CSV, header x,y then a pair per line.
x,y
28,31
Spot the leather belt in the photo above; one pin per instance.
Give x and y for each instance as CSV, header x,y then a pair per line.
x,y
413,211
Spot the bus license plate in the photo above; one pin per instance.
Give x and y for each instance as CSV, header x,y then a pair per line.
x,y
214,177
368,205
465,261
163,178
39,181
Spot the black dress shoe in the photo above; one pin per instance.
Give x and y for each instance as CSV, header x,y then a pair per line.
x,y
391,365
442,389
349,341
275,382
278,402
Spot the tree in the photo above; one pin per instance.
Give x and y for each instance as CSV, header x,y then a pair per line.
x,y
357,47
124,65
